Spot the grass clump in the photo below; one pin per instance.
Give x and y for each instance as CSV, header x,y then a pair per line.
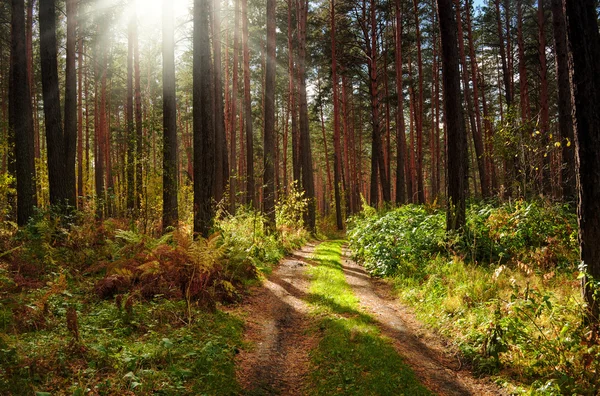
x,y
352,358
506,291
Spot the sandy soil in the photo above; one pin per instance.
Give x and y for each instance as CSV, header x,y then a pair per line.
x,y
432,359
278,321
277,324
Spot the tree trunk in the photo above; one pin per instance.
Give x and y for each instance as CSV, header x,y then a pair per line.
x,y
250,186
584,40
269,119
130,125
523,86
170,171
337,150
139,131
204,132
400,127
544,121
565,120
80,126
233,173
221,152
60,193
419,110
70,131
21,117
455,123
475,131
305,150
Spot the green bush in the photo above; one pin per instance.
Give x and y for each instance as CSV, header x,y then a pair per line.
x,y
399,241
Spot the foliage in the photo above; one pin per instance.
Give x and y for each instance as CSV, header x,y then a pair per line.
x,y
401,240
505,292
88,306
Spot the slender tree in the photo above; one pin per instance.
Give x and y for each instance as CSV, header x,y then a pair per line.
x,y
203,119
400,127
70,131
565,120
337,150
170,209
455,123
21,117
250,189
269,119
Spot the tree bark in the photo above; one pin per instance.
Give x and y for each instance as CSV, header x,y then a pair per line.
x,y
544,117
204,132
523,86
59,184
565,120
132,26
170,171
305,150
419,111
456,133
21,117
221,152
139,131
400,127
584,40
233,172
337,150
70,131
269,119
250,185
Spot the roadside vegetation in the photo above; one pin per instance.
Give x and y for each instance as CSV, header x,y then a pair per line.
x,y
96,308
506,291
351,358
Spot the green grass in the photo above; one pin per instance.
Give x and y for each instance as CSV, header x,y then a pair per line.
x,y
352,358
153,350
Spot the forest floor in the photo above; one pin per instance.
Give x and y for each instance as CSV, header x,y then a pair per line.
x,y
284,331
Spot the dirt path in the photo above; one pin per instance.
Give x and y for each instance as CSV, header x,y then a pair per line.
x,y
426,353
277,321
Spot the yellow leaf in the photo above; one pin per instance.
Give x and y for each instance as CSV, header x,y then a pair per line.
x,y
557,144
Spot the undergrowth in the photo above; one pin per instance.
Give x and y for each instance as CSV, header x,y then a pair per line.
x,y
506,291
91,307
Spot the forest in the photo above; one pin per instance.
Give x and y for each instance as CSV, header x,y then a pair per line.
x,y
263,197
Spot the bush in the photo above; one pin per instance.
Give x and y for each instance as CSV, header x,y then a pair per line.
x,y
505,290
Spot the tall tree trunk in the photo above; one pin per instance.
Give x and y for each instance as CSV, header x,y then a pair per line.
x,y
80,125
584,40
400,127
29,39
293,77
544,121
70,131
221,152
233,173
456,133
419,110
475,131
565,120
139,131
250,185
523,86
337,149
479,138
170,171
204,132
269,119
21,117
130,125
59,184
305,150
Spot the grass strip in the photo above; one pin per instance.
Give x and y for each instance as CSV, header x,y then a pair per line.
x,y
352,357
